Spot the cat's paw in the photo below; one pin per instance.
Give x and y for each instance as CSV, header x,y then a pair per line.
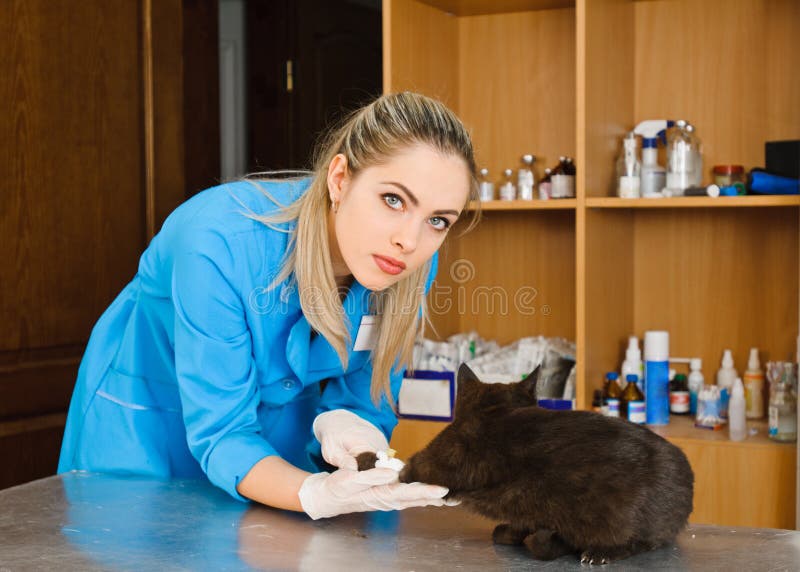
x,y
366,461
595,557
507,534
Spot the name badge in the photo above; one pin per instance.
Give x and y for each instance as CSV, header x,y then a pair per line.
x,y
367,335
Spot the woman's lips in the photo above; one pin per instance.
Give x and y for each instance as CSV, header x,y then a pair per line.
x,y
389,265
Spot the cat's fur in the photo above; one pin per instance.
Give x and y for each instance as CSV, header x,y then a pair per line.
x,y
560,481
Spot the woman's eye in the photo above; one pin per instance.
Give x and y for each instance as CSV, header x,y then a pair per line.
x,y
392,200
440,223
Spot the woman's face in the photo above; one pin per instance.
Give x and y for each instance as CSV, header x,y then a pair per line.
x,y
392,217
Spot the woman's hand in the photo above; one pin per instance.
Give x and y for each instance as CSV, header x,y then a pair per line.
x,y
343,435
324,495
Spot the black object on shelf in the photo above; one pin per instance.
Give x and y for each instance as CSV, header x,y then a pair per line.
x,y
783,158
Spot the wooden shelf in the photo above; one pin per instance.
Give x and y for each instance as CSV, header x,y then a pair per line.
x,y
482,7
694,202
534,205
715,272
681,428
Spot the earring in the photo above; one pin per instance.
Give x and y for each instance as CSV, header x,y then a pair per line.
x,y
334,206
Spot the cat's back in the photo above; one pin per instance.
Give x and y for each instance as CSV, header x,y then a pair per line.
x,y
613,449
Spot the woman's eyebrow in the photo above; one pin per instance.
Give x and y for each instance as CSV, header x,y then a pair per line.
x,y
414,199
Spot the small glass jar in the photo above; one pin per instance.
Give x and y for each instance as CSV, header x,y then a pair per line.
x,y
782,402
727,175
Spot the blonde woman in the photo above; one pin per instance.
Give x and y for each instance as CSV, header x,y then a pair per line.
x,y
263,339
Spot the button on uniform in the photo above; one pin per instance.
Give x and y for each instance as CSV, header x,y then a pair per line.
x,y
289,384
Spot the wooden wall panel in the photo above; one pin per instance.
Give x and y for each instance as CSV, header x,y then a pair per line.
x,y
516,276
420,50
605,96
716,279
92,156
517,86
731,74
70,154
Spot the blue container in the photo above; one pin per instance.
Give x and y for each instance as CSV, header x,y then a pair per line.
x,y
656,377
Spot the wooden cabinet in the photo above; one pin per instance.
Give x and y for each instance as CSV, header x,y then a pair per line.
x,y
571,78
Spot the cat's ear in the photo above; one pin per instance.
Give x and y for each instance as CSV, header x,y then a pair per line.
x,y
466,388
465,374
527,387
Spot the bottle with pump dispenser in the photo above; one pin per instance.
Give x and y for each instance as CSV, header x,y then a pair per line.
x,y
737,425
628,169
508,190
726,376
653,176
696,382
754,387
525,178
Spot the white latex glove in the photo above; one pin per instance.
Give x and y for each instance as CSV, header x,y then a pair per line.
x,y
329,494
344,435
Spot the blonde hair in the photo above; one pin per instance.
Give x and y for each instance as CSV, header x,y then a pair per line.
x,y
368,136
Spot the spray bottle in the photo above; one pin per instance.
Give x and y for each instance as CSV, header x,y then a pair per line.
x,y
653,175
726,377
633,362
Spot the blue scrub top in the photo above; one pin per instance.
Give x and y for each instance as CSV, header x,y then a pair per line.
x,y
197,368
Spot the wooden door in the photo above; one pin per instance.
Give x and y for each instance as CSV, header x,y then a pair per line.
x,y
307,61
92,157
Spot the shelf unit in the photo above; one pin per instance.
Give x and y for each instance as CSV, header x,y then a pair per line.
x,y
571,78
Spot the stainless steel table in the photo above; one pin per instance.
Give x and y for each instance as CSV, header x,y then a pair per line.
x,y
85,521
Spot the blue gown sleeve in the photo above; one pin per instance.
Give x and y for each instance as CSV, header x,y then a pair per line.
x,y
352,392
214,366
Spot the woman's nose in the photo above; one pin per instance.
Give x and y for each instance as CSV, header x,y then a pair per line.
x,y
406,236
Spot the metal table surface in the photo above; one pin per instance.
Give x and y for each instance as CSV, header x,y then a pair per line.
x,y
86,521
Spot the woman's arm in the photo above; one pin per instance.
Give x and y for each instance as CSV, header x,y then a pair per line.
x,y
273,482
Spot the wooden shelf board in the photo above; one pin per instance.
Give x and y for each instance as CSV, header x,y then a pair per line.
x,y
534,205
695,202
682,429
482,7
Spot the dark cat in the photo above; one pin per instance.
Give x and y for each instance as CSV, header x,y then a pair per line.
x,y
561,481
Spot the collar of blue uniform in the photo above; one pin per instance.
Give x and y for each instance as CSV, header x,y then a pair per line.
x,y
313,360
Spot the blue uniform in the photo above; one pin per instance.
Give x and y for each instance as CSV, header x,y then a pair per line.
x,y
197,368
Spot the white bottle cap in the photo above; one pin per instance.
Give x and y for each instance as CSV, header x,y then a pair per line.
x,y
656,346
695,364
727,360
753,364
738,388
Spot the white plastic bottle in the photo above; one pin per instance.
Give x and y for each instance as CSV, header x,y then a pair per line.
x,y
632,365
737,425
696,382
654,176
754,387
726,376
